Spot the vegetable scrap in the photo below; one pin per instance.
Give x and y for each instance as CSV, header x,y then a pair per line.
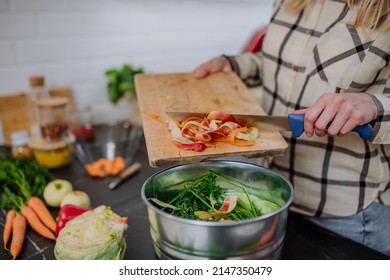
x,y
197,133
217,197
106,167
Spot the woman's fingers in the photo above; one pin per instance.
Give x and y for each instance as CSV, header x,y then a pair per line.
x,y
312,115
212,66
201,71
326,120
338,114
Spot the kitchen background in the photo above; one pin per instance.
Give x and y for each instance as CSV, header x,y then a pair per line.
x,y
73,42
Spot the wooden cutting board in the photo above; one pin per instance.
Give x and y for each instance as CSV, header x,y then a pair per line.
x,y
159,93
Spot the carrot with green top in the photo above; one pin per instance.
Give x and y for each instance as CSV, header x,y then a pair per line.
x,y
37,205
8,226
18,235
34,221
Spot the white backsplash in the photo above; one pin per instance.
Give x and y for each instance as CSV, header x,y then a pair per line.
x,y
72,42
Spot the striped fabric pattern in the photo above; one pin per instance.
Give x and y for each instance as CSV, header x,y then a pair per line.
x,y
303,57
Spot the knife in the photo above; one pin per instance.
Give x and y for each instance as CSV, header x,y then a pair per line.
x,y
134,137
132,169
291,122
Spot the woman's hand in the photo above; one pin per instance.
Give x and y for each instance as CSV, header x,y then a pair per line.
x,y
216,64
337,114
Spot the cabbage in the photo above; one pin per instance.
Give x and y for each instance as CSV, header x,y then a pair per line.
x,y
94,235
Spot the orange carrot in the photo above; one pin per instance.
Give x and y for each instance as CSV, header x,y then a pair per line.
x,y
18,235
94,170
35,223
37,205
108,165
118,165
8,227
157,118
104,167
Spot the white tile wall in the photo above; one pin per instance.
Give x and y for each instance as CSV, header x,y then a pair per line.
x,y
72,42
4,5
7,52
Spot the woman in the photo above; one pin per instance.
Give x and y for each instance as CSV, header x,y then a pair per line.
x,y
329,59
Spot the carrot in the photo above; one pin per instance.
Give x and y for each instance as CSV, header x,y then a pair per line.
x,y
108,165
18,235
155,117
35,223
94,170
104,167
37,205
117,166
8,227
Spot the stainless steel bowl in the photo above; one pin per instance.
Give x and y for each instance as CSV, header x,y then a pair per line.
x,y
180,238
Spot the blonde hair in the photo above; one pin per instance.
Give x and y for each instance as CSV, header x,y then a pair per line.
x,y
371,14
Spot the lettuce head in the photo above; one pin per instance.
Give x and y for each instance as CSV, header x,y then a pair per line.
x,y
94,235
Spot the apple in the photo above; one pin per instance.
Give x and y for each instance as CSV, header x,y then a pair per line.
x,y
55,191
78,198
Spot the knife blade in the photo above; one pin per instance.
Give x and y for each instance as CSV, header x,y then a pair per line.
x,y
291,122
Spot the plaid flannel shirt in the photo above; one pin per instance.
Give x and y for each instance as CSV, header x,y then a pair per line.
x,y
304,56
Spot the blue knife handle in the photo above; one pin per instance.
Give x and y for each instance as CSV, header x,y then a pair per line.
x,y
296,124
296,121
365,131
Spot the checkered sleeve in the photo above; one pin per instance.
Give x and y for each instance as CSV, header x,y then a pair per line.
x,y
382,125
248,67
379,88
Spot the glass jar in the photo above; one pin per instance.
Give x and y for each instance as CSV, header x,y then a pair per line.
x,y
51,155
20,148
37,91
52,118
82,127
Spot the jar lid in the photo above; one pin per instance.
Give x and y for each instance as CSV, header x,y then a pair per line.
x,y
41,144
36,80
19,138
52,102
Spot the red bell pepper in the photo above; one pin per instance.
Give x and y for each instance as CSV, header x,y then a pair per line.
x,y
67,213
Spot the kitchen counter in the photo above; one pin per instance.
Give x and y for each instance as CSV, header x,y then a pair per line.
x,y
304,241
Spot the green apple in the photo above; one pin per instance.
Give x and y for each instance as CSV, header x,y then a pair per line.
x,y
78,198
55,191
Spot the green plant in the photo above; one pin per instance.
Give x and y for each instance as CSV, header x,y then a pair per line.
x,y
121,81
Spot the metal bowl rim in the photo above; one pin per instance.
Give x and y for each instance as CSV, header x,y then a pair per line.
x,y
210,223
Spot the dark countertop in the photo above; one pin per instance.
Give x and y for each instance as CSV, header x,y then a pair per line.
x,y
303,240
